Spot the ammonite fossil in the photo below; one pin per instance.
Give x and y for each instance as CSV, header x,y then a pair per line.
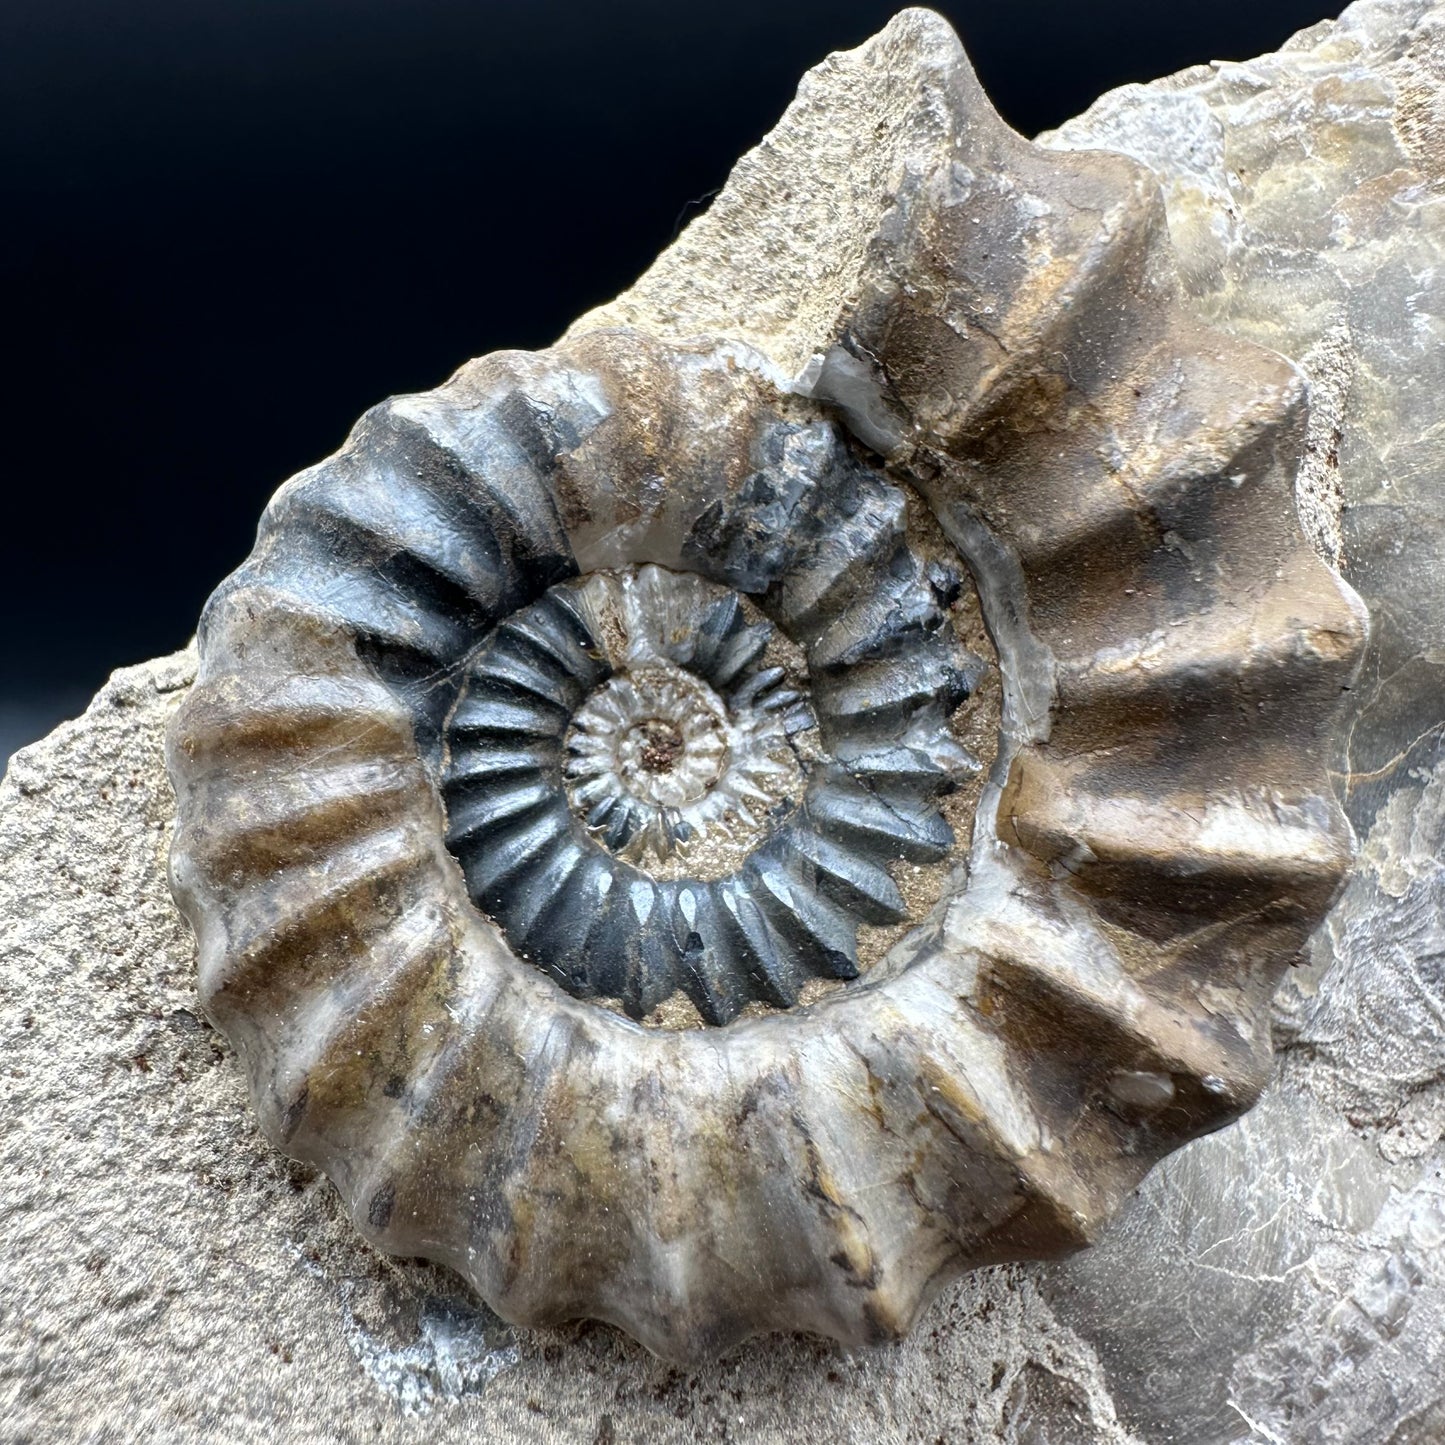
x,y
601,851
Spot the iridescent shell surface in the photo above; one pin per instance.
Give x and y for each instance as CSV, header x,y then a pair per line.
x,y
565,796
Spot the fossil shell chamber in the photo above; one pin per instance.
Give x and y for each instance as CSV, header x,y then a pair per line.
x,y
600,847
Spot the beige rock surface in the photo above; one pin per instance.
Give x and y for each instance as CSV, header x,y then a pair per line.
x,y
816,188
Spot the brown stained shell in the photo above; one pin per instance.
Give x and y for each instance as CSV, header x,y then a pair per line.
x,y
1155,841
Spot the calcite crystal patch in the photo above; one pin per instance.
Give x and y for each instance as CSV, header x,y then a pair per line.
x,y
568,796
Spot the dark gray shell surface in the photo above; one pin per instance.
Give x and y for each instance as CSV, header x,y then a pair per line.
x,y
617,673
455,592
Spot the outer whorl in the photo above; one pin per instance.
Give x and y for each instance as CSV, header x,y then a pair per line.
x,y
622,684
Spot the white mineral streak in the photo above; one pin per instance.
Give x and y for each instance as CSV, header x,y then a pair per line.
x,y
166,1275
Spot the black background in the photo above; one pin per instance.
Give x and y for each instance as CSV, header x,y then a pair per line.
x,y
232,225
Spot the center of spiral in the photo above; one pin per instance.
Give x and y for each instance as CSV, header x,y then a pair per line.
x,y
659,732
679,759
659,744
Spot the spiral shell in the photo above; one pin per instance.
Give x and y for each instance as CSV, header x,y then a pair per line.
x,y
628,674
624,787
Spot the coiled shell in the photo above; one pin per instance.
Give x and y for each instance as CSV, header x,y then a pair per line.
x,y
459,789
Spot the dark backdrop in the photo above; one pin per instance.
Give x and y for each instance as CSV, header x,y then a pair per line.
x,y
232,225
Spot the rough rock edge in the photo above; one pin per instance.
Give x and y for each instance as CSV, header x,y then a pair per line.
x,y
851,125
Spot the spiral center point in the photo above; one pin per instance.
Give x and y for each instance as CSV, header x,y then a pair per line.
x,y
659,744
679,759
